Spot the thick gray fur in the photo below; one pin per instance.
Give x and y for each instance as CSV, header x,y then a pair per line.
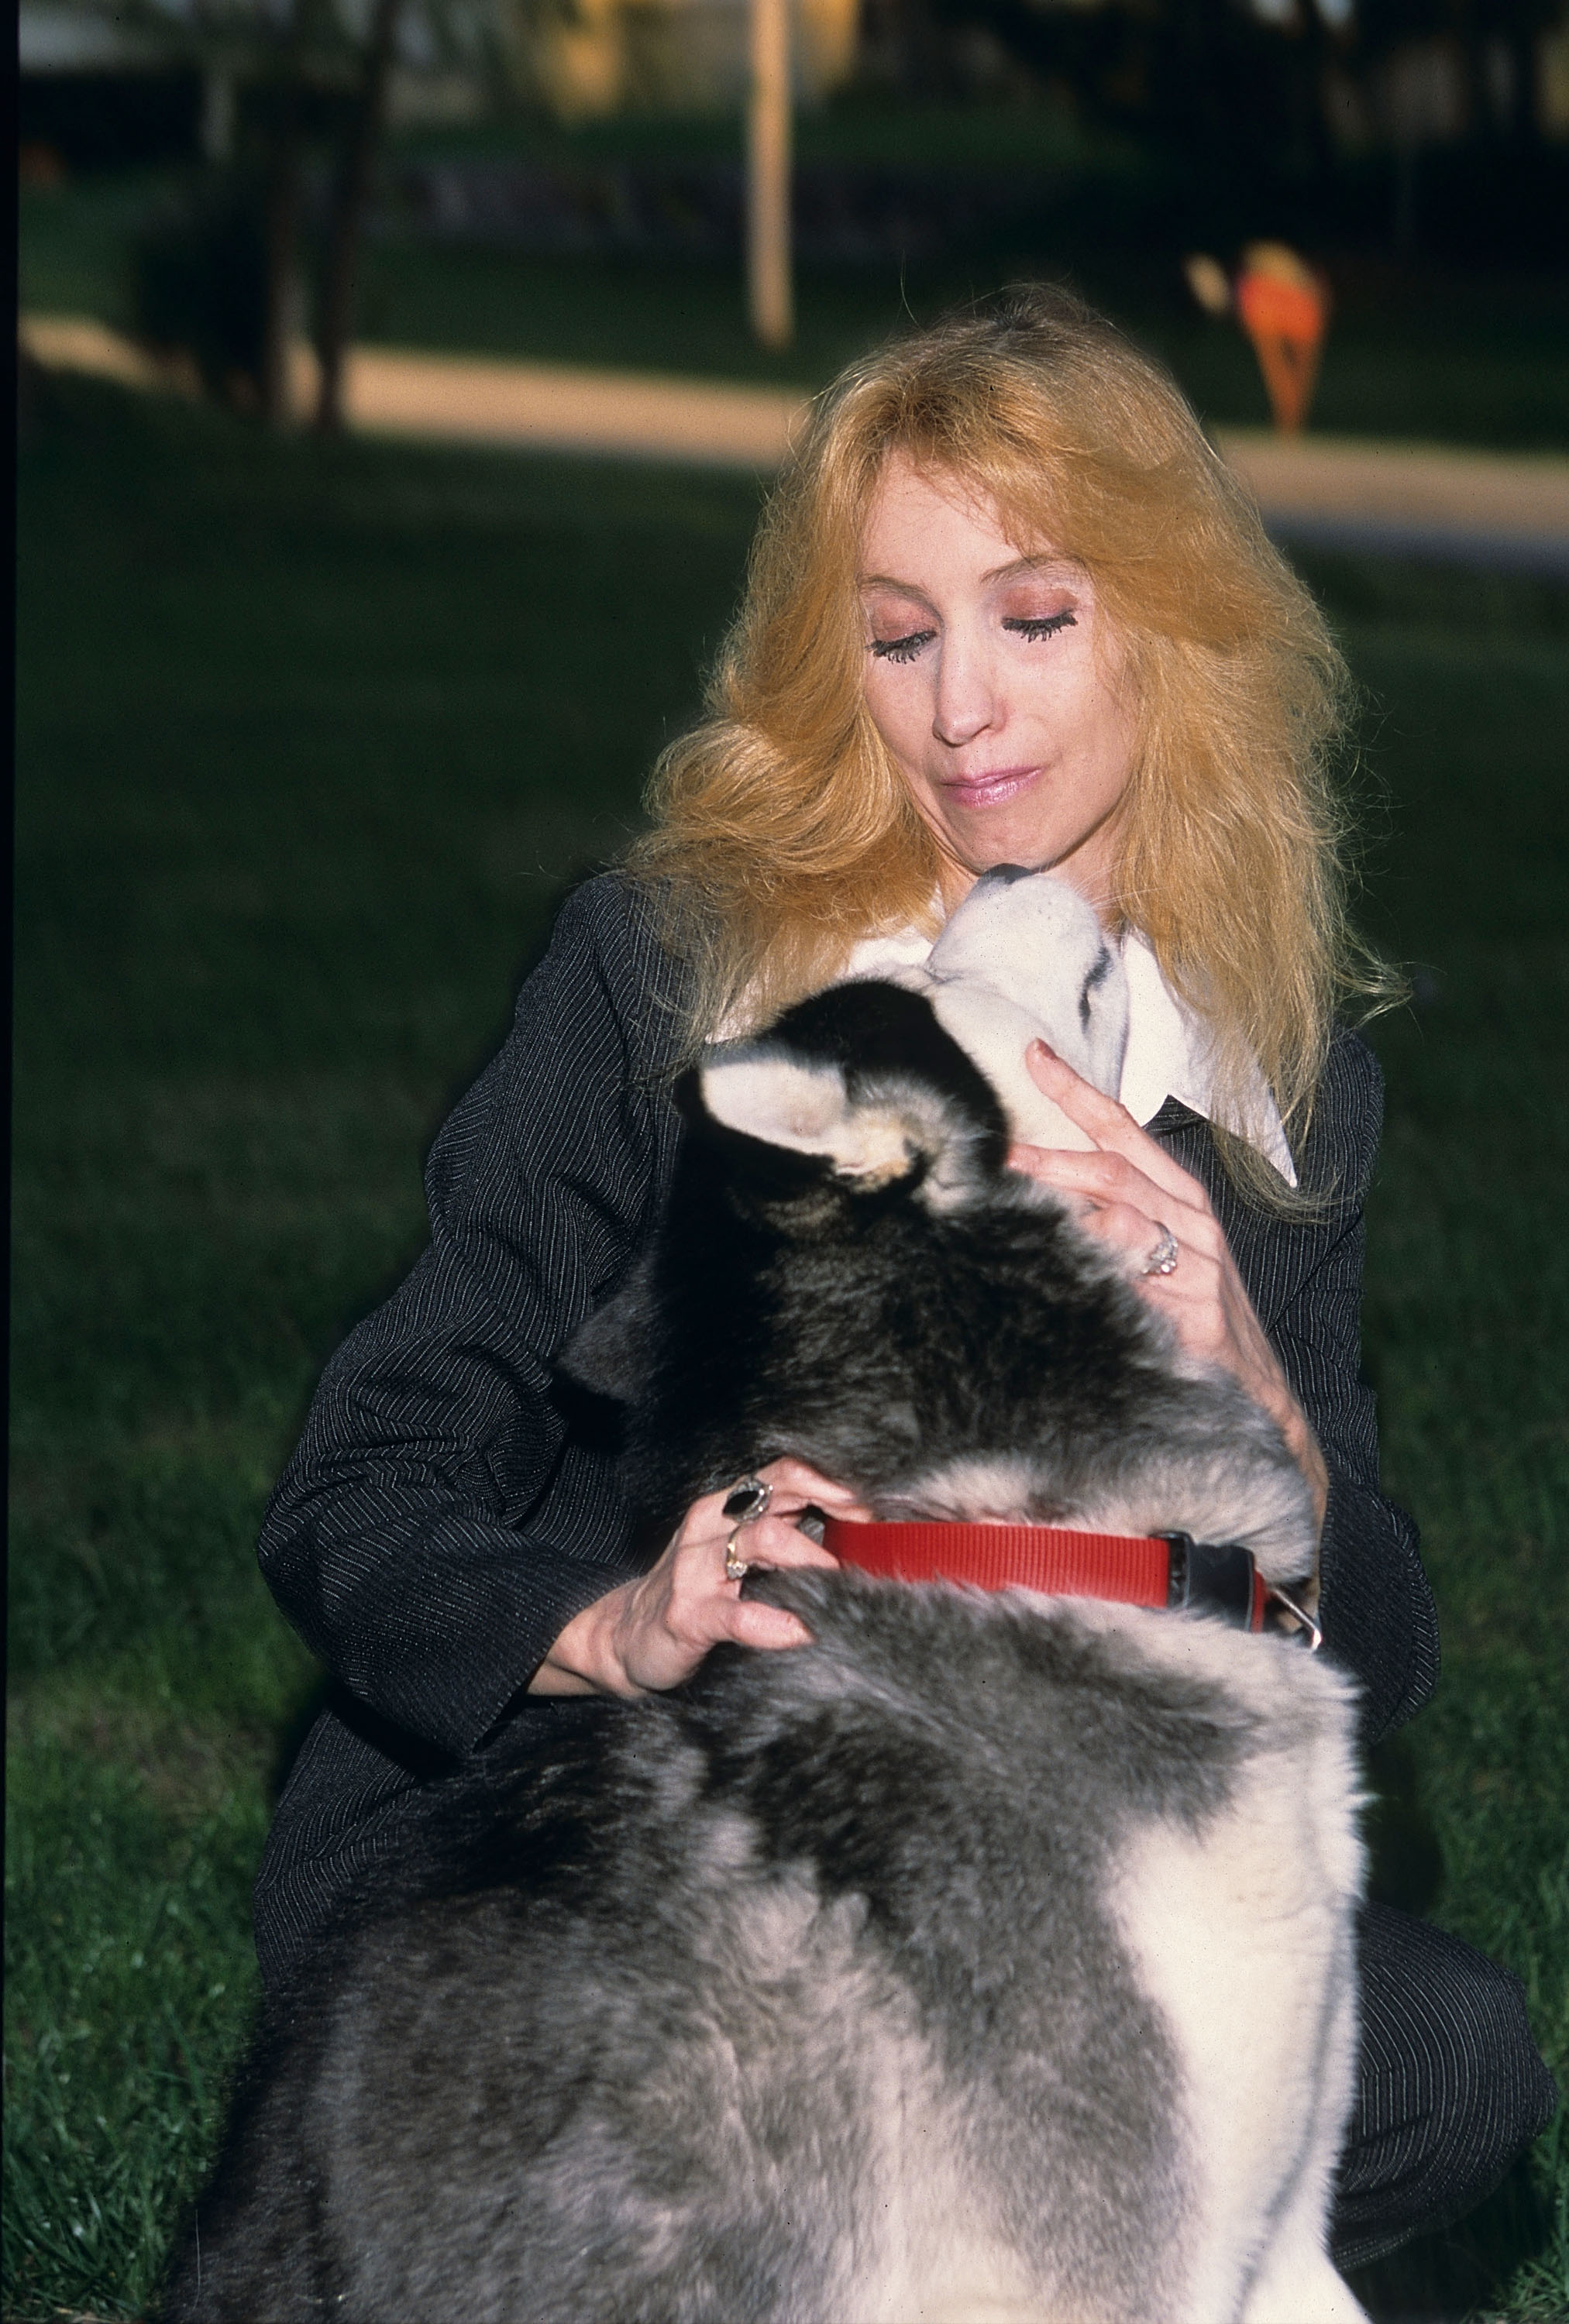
x,y
808,1994
650,2062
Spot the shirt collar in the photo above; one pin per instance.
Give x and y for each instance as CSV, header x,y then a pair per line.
x,y
1170,1054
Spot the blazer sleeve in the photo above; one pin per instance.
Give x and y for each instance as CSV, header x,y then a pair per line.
x,y
440,1522
1376,1604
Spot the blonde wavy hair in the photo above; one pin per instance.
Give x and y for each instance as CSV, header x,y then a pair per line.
x,y
782,830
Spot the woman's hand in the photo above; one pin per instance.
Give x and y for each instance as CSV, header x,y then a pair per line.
x,y
652,1633
1131,1195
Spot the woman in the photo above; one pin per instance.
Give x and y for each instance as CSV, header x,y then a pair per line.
x,y
1008,607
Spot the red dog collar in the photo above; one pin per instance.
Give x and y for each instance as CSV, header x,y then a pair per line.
x,y
1129,1569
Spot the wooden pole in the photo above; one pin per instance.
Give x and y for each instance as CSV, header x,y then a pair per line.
x,y
768,175
351,195
282,199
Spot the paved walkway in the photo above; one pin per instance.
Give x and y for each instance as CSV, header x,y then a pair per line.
x,y
1474,507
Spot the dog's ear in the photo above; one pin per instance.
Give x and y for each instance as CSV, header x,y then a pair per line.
x,y
611,1352
779,1151
801,1111
855,1093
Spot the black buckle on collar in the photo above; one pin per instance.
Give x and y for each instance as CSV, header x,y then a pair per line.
x,y
1211,1580
1225,1581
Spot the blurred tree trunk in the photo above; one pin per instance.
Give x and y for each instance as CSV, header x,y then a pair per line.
x,y
1310,54
1524,44
351,196
282,233
768,176
1481,110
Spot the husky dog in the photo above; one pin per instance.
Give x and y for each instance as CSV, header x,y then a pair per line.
x,y
987,1960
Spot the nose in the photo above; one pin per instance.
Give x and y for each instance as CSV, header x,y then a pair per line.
x,y
966,703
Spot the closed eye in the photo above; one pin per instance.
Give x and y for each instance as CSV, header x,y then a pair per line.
x,y
903,649
1045,625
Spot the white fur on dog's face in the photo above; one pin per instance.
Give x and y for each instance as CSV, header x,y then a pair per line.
x,y
1024,957
1036,945
993,678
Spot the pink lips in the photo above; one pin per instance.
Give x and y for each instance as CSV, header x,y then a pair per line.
x,y
990,787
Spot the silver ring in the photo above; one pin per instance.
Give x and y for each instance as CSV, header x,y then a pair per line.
x,y
736,1569
747,1499
1162,1259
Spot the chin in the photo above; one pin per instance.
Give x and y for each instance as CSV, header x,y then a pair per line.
x,y
984,850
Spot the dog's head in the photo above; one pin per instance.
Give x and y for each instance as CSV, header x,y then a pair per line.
x,y
855,1110
849,1274
1032,943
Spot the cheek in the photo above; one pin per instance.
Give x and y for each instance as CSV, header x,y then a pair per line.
x,y
1106,733
893,700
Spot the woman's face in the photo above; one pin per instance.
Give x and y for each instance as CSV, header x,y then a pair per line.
x,y
993,681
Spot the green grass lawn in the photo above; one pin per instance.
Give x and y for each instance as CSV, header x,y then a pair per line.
x,y
1414,350
312,738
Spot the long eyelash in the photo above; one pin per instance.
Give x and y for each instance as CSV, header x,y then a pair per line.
x,y
902,649
1046,626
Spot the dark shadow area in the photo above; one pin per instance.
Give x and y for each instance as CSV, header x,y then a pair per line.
x,y
1461,2271
1405,1863
107,120
290,1736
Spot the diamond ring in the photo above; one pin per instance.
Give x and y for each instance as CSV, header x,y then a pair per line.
x,y
1162,1259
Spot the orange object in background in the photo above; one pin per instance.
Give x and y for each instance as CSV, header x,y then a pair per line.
x,y
1284,307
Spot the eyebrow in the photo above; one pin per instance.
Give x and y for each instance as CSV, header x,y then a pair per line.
x,y
1018,566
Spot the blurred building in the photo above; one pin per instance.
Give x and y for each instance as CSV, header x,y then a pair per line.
x,y
107,81
100,84
597,56
1434,91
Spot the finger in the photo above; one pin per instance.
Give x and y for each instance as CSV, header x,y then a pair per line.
x,y
1079,1099
797,1486
701,1586
1127,1228
1068,1169
705,1515
1108,1122
1134,1240
1108,1176
1040,1162
769,1626
774,1542
707,1521
798,1483
771,1540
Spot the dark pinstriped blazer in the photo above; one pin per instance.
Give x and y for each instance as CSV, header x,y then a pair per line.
x,y
441,1522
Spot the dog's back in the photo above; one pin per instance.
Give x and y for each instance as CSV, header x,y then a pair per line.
x,y
848,1984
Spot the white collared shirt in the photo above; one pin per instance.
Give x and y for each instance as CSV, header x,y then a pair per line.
x,y
1169,1051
